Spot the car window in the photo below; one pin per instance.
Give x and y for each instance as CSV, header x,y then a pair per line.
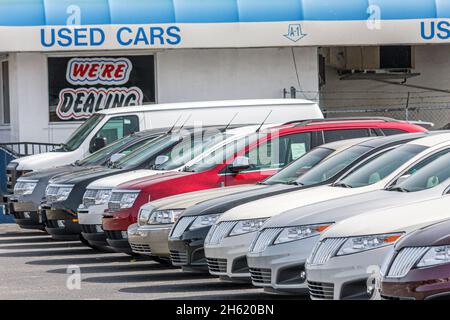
x,y
431,175
118,127
392,132
300,166
190,148
105,152
220,155
83,131
338,135
333,166
379,168
279,151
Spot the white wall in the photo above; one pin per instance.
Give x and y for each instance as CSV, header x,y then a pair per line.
x,y
182,75
433,64
233,73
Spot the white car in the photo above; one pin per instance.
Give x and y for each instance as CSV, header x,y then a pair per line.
x,y
150,235
95,199
156,219
227,243
278,255
346,262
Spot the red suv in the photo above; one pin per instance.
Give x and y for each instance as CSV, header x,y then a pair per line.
x,y
221,169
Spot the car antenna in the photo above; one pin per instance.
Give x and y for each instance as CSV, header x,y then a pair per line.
x,y
231,121
174,125
260,127
184,123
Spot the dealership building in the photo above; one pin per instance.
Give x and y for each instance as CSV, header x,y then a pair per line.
x,y
62,60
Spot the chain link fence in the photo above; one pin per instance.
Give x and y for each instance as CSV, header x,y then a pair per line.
x,y
426,106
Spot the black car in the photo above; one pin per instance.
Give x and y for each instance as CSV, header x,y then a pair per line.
x,y
30,188
186,245
60,212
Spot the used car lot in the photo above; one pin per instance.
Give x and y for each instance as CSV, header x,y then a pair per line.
x,y
35,267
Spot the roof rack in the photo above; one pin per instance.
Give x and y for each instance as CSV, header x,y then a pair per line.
x,y
310,121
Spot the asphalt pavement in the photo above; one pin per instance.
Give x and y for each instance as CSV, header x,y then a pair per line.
x,y
33,266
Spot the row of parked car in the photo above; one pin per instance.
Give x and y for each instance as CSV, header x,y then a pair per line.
x,y
338,208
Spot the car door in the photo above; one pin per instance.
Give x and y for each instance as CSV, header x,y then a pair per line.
x,y
268,157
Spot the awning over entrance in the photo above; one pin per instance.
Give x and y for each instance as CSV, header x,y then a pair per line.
x,y
38,25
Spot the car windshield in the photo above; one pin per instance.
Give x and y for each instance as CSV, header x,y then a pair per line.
x,y
148,150
77,138
105,152
220,155
188,149
428,177
333,166
291,173
378,168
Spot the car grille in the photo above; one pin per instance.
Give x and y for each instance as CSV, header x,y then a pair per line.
x,y
88,228
325,250
321,290
405,260
114,235
263,276
179,258
265,238
220,231
217,265
181,226
114,201
89,198
141,248
52,224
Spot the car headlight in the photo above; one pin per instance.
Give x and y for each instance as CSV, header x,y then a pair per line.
x,y
247,226
144,215
102,196
127,199
300,232
204,221
165,216
364,243
435,256
24,187
58,193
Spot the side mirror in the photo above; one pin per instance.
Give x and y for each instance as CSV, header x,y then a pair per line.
x,y
97,144
161,160
402,179
240,164
116,157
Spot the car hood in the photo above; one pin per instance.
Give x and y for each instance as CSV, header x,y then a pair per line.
x,y
396,219
44,161
343,208
224,203
272,206
80,176
186,200
117,179
48,173
154,178
436,234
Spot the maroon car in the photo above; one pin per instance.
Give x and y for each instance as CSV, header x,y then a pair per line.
x,y
419,268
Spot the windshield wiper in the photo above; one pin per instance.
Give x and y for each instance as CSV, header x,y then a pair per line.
x,y
294,183
343,185
398,189
188,169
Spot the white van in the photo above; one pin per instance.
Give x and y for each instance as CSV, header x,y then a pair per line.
x,y
108,126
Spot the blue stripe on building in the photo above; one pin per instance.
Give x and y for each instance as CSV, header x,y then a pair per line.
x,y
101,12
